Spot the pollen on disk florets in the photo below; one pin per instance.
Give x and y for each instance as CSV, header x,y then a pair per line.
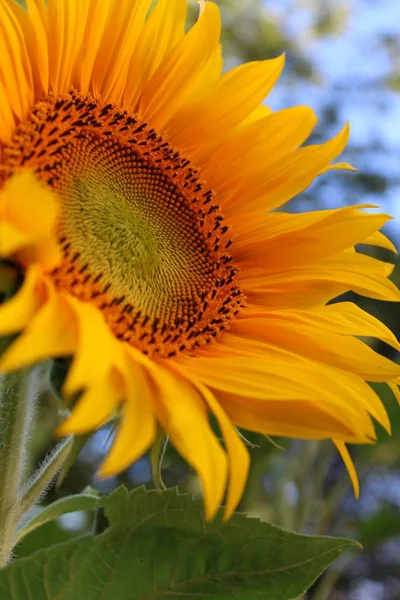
x,y
142,238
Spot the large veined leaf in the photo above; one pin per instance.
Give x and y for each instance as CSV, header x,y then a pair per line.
x,y
159,546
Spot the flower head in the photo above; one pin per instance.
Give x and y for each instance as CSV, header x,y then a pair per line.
x,y
137,184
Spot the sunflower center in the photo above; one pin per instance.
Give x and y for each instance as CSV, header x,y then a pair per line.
x,y
128,222
141,237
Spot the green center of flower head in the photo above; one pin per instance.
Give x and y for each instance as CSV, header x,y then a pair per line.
x,y
142,238
130,224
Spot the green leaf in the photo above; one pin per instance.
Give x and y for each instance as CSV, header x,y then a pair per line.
x,y
158,546
49,534
57,509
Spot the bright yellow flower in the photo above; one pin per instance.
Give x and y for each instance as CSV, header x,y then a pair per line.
x,y
137,189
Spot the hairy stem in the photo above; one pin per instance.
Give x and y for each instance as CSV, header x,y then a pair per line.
x,y
18,393
44,476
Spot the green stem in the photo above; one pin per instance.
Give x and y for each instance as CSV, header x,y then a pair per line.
x,y
18,392
156,459
304,477
328,582
44,476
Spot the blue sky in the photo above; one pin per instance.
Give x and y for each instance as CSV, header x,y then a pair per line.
x,y
352,66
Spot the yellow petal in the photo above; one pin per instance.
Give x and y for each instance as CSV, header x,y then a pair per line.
x,y
164,28
38,47
234,97
66,27
339,165
95,406
7,119
379,239
239,460
28,212
305,294
259,225
97,349
98,16
277,345
182,414
15,69
51,333
281,180
42,8
137,427
344,453
256,115
281,377
11,238
348,271
209,77
334,232
345,318
395,389
261,140
125,23
295,419
305,338
177,75
17,313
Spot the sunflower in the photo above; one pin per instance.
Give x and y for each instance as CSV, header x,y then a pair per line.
x,y
137,189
